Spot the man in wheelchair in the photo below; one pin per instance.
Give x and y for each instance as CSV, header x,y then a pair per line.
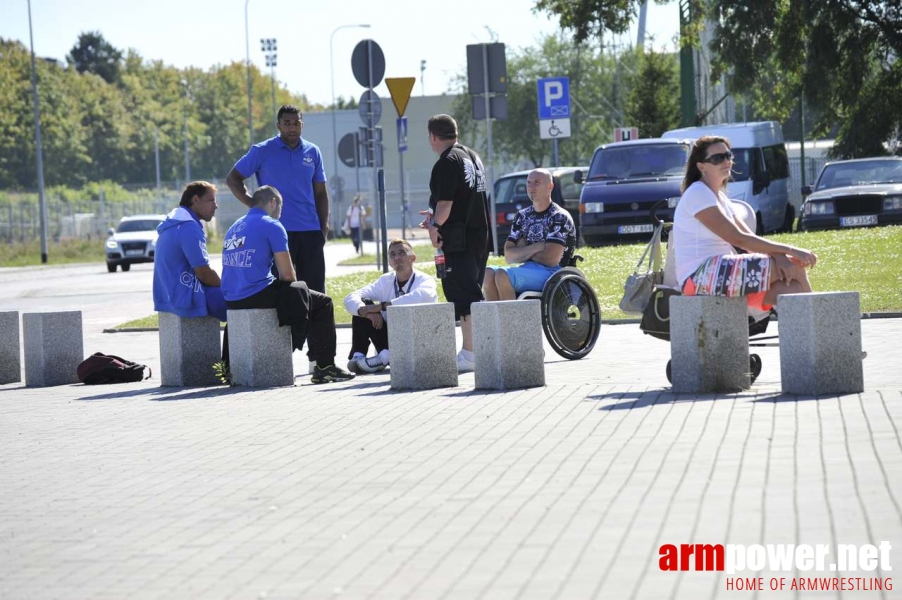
x,y
541,238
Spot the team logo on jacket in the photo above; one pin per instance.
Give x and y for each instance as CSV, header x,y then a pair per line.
x,y
233,243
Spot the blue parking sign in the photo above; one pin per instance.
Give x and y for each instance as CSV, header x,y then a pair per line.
x,y
554,98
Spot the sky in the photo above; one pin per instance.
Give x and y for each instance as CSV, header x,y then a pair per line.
x,y
204,33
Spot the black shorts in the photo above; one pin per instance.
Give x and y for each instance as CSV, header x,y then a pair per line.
x,y
463,284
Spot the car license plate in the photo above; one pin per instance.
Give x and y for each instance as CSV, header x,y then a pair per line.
x,y
636,228
134,252
858,221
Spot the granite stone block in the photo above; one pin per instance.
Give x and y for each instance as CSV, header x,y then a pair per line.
x,y
508,343
188,350
709,344
820,343
259,350
10,348
423,346
54,347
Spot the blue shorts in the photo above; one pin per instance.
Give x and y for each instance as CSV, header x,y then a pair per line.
x,y
530,276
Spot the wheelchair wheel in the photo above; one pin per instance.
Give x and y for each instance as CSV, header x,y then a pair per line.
x,y
754,366
571,316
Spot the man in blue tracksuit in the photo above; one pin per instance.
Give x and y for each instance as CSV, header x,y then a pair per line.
x,y
183,282
253,245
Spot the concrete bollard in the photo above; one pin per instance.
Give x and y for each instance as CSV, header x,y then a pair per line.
x,y
423,346
508,343
820,343
54,347
10,348
709,344
188,349
259,350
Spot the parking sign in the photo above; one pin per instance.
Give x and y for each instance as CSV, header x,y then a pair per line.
x,y
554,98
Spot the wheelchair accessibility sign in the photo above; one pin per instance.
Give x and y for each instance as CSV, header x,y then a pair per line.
x,y
554,107
554,129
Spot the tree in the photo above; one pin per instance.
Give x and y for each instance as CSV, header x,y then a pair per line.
x,y
654,101
841,55
593,91
591,18
93,54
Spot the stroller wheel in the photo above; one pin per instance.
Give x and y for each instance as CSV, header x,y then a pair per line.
x,y
669,373
755,366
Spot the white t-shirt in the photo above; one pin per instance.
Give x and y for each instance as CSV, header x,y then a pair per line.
x,y
354,216
693,243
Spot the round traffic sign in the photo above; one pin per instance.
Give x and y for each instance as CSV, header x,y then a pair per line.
x,y
360,63
370,108
347,150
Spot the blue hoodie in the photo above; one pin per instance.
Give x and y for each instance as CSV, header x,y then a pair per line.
x,y
182,247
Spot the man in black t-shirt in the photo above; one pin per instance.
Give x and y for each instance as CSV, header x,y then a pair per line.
x,y
460,224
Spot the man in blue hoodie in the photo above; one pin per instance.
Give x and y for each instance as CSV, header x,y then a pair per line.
x,y
183,282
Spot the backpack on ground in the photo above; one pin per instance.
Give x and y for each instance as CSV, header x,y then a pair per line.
x,y
102,368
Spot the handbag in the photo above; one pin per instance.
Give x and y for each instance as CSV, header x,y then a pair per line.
x,y
656,318
639,286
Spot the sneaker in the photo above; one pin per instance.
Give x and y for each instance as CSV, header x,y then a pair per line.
x,y
311,368
330,374
353,365
372,364
465,365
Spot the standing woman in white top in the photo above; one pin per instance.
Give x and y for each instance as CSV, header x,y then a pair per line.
x,y
707,232
354,222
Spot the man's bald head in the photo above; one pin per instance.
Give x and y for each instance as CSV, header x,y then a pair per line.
x,y
538,186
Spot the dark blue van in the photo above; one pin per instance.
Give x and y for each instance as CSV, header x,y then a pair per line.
x,y
624,180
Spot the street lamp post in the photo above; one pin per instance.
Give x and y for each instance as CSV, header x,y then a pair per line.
x,y
185,117
37,143
332,77
422,81
250,112
268,46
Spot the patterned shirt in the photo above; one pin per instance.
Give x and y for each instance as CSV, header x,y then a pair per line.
x,y
554,225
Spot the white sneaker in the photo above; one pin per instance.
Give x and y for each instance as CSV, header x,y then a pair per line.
x,y
372,364
465,365
353,366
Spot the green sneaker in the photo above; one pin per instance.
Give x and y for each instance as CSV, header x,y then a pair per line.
x,y
330,374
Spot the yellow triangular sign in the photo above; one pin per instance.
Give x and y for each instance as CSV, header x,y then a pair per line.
x,y
400,88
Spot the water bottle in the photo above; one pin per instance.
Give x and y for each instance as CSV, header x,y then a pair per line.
x,y
440,271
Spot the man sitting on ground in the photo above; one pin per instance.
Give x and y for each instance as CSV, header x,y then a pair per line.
x,y
252,245
404,285
538,239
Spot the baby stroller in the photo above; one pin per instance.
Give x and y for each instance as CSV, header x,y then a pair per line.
x,y
656,317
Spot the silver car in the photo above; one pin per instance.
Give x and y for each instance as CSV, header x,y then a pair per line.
x,y
133,241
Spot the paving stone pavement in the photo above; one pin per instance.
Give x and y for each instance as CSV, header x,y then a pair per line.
x,y
353,491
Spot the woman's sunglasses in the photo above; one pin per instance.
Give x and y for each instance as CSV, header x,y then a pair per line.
x,y
716,159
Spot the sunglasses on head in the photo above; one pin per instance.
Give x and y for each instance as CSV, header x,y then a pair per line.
x,y
716,159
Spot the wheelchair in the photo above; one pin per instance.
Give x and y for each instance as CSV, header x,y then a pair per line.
x,y
571,316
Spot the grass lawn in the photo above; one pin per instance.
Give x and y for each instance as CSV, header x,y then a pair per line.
x,y
25,254
866,260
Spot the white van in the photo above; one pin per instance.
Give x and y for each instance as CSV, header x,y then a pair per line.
x,y
760,169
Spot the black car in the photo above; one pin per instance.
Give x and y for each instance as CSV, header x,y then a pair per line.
x,y
854,193
510,196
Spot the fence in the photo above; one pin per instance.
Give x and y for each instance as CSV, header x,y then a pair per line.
x,y
20,221
813,165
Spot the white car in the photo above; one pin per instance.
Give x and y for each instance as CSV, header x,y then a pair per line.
x,y
133,241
